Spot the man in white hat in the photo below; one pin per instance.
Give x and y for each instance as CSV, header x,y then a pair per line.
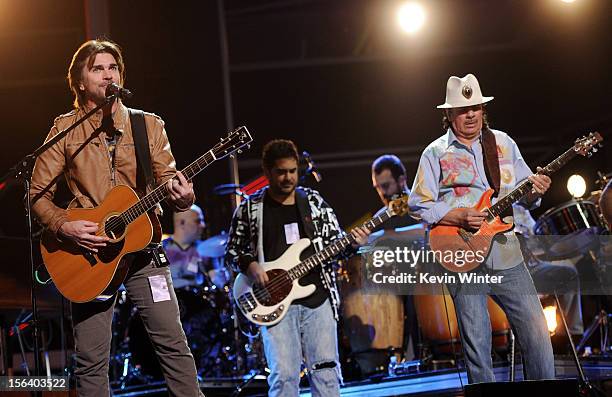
x,y
454,171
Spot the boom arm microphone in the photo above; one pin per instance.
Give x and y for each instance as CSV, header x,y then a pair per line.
x,y
312,168
118,91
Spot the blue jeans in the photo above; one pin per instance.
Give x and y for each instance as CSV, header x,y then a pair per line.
x,y
517,296
304,334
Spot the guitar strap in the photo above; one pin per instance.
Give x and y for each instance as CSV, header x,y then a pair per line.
x,y
491,160
144,172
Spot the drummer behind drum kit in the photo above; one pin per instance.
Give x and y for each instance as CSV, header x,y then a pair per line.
x,y
209,321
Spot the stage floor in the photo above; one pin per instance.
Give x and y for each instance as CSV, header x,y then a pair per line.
x,y
427,383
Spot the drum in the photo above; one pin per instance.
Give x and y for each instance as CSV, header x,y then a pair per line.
x,y
434,324
571,227
373,324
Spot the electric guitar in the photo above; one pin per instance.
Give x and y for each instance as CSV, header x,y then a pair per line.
x,y
455,240
267,305
81,275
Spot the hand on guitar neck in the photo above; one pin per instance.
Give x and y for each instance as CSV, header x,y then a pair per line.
x,y
180,192
540,183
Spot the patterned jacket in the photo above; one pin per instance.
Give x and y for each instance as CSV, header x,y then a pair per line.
x,y
320,225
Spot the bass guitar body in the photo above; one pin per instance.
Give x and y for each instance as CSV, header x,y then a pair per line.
x,y
450,243
81,275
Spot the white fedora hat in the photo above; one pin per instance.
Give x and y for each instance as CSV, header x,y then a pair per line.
x,y
462,92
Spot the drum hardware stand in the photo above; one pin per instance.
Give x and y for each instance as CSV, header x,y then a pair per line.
x,y
512,355
248,381
601,322
129,371
585,388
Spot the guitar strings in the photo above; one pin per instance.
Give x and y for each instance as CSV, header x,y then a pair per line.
x,y
279,281
117,221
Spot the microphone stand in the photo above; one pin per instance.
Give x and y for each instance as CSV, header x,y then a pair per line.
x,y
22,171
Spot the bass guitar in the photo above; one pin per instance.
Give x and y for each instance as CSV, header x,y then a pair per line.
x,y
474,246
81,275
268,304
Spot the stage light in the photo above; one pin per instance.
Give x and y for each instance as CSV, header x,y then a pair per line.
x,y
568,1
576,186
411,17
550,312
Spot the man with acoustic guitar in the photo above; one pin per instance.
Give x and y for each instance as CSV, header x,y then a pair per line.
x,y
263,228
95,157
454,172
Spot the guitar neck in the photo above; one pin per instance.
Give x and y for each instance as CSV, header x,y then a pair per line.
x,y
334,249
525,187
149,201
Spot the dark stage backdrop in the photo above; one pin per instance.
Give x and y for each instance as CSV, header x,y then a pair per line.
x,y
334,76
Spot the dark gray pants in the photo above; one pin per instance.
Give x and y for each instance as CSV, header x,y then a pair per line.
x,y
92,335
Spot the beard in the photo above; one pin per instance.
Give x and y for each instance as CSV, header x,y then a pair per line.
x,y
283,189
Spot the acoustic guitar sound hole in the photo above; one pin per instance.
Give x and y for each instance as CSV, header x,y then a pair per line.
x,y
114,227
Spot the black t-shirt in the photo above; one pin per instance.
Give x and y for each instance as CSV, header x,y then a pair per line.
x,y
283,226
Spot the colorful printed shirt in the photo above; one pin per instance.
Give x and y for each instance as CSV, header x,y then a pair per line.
x,y
452,175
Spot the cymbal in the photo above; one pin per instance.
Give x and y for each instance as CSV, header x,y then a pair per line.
x,y
226,188
213,247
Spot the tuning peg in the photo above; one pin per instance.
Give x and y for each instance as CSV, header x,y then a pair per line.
x,y
231,156
239,151
249,146
595,150
589,154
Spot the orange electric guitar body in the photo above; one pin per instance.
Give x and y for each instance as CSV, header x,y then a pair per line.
x,y
456,239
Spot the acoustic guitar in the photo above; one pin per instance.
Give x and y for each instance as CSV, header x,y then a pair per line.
x,y
81,275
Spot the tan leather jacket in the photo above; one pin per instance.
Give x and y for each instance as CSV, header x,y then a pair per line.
x,y
91,174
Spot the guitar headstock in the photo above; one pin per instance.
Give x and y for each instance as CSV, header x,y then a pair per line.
x,y
232,143
399,206
587,145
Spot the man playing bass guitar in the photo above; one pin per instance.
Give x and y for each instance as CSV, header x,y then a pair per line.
x,y
454,172
263,228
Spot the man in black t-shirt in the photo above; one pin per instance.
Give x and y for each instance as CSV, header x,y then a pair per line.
x,y
263,227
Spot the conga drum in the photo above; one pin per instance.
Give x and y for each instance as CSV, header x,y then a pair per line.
x,y
432,314
373,324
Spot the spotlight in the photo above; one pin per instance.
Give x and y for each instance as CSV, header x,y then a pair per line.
x,y
550,312
576,186
411,17
568,1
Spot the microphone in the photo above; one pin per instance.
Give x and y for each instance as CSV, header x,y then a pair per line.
x,y
118,91
312,168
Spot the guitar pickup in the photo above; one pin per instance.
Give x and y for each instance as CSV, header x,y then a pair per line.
x,y
247,302
266,318
465,235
